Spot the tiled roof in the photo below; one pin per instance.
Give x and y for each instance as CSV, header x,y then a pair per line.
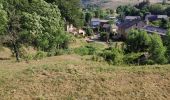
x,y
153,29
128,24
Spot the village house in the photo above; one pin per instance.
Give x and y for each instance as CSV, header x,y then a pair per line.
x,y
103,25
135,22
75,31
125,27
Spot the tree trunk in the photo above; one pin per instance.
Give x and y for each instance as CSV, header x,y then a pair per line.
x,y
16,51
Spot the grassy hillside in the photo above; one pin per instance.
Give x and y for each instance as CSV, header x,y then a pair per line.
x,y
70,77
115,3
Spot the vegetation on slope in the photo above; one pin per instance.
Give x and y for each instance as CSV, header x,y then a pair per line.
x,y
73,77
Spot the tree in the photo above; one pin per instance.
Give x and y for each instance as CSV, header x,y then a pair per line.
x,y
157,50
88,17
13,26
164,2
157,9
113,55
167,44
165,24
42,24
137,41
97,13
89,31
33,22
3,20
70,10
168,11
104,36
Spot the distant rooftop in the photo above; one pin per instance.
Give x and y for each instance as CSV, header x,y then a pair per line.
x,y
155,17
99,20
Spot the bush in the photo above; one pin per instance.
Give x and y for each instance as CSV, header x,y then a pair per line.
x,y
28,57
132,58
40,55
97,58
113,56
157,50
85,50
89,31
137,41
150,62
104,36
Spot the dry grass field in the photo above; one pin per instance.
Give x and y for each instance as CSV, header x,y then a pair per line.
x,y
72,77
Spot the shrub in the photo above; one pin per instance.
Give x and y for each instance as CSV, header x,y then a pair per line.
x,y
103,36
132,58
40,55
113,56
157,50
137,41
97,58
28,57
89,31
149,62
85,50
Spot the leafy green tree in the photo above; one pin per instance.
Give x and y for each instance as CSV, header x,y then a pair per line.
x,y
157,50
33,22
13,26
70,10
89,31
128,10
88,17
137,41
168,11
167,43
113,55
104,36
165,24
157,9
97,13
43,25
3,20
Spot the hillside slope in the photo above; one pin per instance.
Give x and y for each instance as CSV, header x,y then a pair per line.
x,y
71,77
115,3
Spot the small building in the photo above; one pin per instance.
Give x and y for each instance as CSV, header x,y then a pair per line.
x,y
75,31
